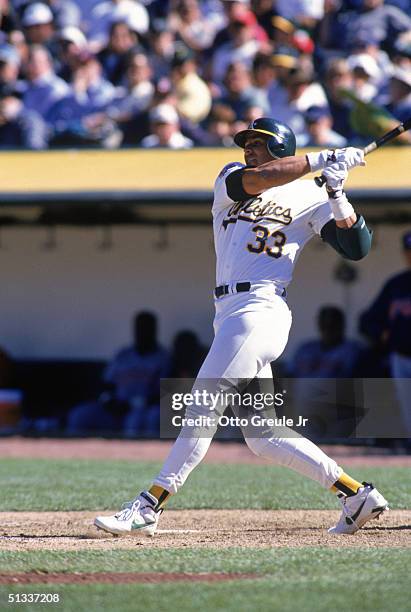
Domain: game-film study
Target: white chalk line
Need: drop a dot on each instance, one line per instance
(165, 531)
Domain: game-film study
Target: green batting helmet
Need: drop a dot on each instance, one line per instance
(281, 141)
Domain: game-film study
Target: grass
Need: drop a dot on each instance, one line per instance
(282, 563)
(314, 579)
(41, 484)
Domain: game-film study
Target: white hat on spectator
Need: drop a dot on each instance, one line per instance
(73, 35)
(366, 63)
(134, 14)
(37, 14)
(164, 113)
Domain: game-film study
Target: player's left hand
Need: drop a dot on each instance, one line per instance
(351, 156)
(335, 175)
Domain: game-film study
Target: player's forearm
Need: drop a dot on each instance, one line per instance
(352, 242)
(348, 222)
(274, 173)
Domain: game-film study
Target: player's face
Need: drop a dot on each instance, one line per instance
(255, 151)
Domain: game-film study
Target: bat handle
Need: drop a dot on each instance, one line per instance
(320, 180)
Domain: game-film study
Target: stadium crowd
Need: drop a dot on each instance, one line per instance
(183, 73)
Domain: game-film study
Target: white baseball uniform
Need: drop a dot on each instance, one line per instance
(257, 241)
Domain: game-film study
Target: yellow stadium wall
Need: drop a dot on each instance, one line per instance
(389, 167)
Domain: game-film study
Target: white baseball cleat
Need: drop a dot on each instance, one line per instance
(138, 516)
(358, 509)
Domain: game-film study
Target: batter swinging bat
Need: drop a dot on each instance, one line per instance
(402, 127)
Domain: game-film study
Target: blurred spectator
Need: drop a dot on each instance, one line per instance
(73, 44)
(373, 18)
(130, 401)
(402, 51)
(332, 355)
(165, 129)
(305, 12)
(368, 46)
(388, 322)
(8, 20)
(18, 41)
(188, 24)
(338, 77)
(193, 97)
(263, 72)
(265, 13)
(114, 57)
(242, 46)
(107, 12)
(399, 103)
(38, 24)
(161, 53)
(365, 73)
(301, 92)
(239, 92)
(10, 68)
(293, 49)
(80, 118)
(282, 31)
(284, 61)
(129, 107)
(318, 122)
(221, 125)
(331, 30)
(233, 11)
(137, 94)
(20, 127)
(66, 13)
(44, 87)
(187, 356)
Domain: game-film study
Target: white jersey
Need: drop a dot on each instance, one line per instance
(260, 239)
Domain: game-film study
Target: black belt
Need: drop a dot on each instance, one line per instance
(238, 288)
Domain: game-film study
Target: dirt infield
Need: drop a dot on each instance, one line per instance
(201, 529)
(157, 450)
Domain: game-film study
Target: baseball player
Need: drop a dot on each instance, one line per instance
(263, 216)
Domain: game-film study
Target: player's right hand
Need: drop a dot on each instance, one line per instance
(335, 175)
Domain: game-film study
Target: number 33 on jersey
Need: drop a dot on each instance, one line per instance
(262, 237)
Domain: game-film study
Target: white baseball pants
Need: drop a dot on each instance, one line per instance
(251, 330)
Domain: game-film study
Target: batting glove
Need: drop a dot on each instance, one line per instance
(335, 176)
(351, 156)
(320, 160)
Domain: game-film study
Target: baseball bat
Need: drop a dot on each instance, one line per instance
(402, 127)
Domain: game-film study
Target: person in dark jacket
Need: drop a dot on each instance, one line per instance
(388, 320)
